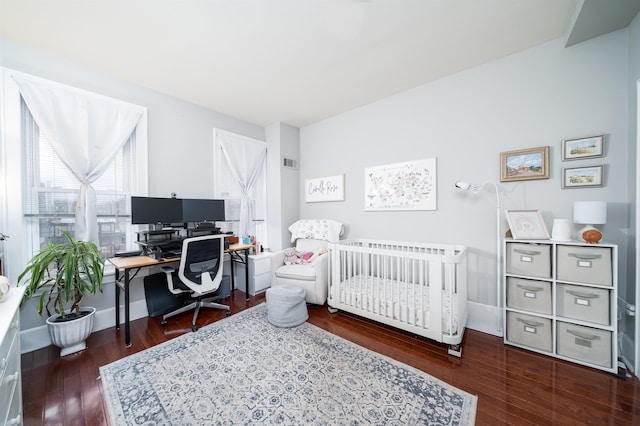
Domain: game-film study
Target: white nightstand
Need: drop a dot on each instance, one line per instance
(259, 274)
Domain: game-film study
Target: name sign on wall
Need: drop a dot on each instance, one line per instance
(324, 189)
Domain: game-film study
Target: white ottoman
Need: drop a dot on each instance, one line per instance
(286, 306)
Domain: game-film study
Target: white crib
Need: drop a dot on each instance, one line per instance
(417, 287)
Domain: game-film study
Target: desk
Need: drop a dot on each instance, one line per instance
(126, 264)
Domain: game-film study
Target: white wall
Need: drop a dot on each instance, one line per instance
(180, 158)
(534, 98)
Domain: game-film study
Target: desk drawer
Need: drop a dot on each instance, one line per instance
(529, 295)
(528, 330)
(583, 303)
(532, 260)
(589, 265)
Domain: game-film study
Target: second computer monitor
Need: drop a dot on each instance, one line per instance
(202, 210)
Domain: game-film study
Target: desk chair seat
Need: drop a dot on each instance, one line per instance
(199, 273)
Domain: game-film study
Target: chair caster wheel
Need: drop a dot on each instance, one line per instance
(163, 322)
(194, 328)
(228, 313)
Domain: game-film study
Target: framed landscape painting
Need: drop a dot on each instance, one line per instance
(581, 177)
(524, 164)
(577, 149)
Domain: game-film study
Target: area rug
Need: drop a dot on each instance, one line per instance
(243, 370)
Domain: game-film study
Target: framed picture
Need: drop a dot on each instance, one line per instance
(581, 177)
(401, 186)
(524, 164)
(527, 225)
(577, 149)
(329, 188)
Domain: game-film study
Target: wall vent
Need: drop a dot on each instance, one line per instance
(289, 163)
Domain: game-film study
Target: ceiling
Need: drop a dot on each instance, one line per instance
(296, 61)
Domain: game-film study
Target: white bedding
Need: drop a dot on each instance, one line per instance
(406, 302)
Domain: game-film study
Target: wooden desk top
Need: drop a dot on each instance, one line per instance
(140, 261)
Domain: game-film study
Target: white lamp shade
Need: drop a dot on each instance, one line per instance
(590, 212)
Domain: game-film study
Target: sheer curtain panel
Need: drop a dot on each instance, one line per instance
(245, 158)
(86, 131)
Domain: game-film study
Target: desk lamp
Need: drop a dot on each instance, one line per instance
(590, 213)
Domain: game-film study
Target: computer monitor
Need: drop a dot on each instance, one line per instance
(202, 210)
(154, 210)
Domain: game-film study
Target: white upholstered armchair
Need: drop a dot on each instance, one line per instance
(308, 266)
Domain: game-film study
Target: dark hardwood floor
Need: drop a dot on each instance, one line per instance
(513, 386)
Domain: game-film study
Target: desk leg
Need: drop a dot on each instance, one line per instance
(246, 273)
(117, 286)
(127, 330)
(233, 275)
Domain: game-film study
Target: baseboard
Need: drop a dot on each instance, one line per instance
(484, 318)
(38, 337)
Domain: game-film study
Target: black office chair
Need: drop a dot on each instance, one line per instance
(200, 273)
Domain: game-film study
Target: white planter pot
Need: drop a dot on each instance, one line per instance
(70, 336)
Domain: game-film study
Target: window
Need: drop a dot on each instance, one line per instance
(51, 192)
(227, 188)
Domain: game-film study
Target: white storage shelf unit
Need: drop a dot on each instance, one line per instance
(561, 300)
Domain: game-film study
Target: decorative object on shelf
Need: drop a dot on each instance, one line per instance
(524, 164)
(324, 189)
(527, 225)
(561, 230)
(401, 186)
(60, 275)
(578, 149)
(581, 177)
(466, 186)
(590, 213)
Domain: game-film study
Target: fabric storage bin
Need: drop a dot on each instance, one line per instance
(585, 344)
(533, 260)
(589, 265)
(583, 303)
(528, 330)
(529, 295)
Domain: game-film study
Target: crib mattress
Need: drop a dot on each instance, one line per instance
(398, 300)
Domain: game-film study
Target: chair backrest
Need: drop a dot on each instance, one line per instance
(310, 244)
(201, 264)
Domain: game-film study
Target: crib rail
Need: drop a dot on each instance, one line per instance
(417, 287)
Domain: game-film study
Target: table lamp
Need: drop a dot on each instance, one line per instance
(590, 213)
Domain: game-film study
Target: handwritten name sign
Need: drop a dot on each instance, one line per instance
(324, 189)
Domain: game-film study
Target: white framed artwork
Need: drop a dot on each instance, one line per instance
(329, 188)
(401, 186)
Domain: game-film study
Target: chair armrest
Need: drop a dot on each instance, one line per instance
(168, 269)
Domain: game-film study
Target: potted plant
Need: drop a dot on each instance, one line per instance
(61, 274)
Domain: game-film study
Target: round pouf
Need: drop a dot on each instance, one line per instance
(286, 306)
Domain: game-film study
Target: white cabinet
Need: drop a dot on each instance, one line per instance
(259, 274)
(10, 379)
(561, 300)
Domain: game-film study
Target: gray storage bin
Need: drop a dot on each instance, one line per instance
(583, 303)
(533, 260)
(589, 265)
(528, 330)
(529, 295)
(586, 344)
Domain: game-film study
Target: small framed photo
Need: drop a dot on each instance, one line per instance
(527, 225)
(577, 149)
(524, 164)
(582, 177)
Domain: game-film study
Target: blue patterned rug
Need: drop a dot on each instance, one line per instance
(243, 370)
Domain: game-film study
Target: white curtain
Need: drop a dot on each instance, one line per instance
(86, 131)
(245, 158)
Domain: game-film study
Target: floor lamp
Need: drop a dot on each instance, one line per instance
(466, 186)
